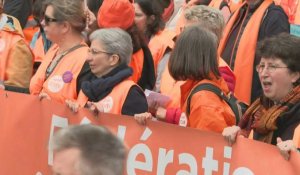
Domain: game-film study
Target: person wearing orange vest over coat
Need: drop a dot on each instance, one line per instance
(203, 17)
(120, 13)
(16, 59)
(211, 19)
(252, 22)
(198, 66)
(111, 91)
(149, 22)
(274, 117)
(57, 78)
(148, 19)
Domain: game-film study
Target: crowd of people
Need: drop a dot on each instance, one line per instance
(102, 55)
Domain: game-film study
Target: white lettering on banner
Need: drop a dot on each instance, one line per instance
(133, 164)
(242, 171)
(56, 121)
(165, 157)
(227, 154)
(146, 134)
(190, 160)
(121, 132)
(209, 164)
(85, 121)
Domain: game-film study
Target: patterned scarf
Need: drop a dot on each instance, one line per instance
(263, 120)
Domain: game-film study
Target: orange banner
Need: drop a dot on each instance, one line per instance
(27, 124)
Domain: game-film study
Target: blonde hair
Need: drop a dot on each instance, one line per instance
(207, 17)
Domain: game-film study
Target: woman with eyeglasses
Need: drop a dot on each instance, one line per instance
(57, 78)
(274, 118)
(112, 91)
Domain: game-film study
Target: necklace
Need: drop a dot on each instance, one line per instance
(57, 59)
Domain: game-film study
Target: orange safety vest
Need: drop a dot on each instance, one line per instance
(114, 101)
(291, 8)
(9, 36)
(61, 83)
(297, 16)
(171, 88)
(7, 40)
(243, 68)
(159, 44)
(207, 110)
(296, 137)
(136, 63)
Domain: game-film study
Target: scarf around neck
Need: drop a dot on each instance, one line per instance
(264, 121)
(99, 88)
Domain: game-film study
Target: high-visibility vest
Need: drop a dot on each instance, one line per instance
(114, 101)
(159, 44)
(136, 63)
(61, 83)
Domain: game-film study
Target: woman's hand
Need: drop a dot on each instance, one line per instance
(285, 147)
(230, 134)
(74, 106)
(94, 107)
(143, 117)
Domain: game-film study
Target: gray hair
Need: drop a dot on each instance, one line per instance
(101, 152)
(115, 41)
(207, 17)
(71, 11)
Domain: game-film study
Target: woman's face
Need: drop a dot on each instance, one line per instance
(140, 18)
(52, 27)
(100, 61)
(276, 79)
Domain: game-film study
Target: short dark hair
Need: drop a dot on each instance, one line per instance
(284, 47)
(101, 152)
(152, 7)
(195, 55)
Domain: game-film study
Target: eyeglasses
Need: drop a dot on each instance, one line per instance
(270, 68)
(49, 19)
(95, 52)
